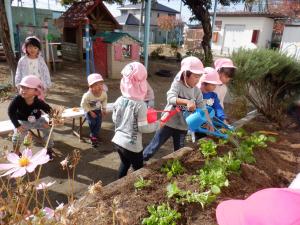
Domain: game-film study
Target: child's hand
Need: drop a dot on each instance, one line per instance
(191, 106)
(92, 114)
(20, 129)
(104, 112)
(45, 125)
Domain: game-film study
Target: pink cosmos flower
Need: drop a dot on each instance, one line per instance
(27, 163)
(49, 213)
(44, 185)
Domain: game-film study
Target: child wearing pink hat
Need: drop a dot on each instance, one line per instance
(185, 95)
(94, 103)
(226, 71)
(25, 112)
(272, 206)
(130, 117)
(207, 84)
(33, 63)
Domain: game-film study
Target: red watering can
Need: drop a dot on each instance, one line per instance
(152, 114)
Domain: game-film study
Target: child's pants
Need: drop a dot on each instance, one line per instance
(94, 123)
(18, 138)
(128, 158)
(161, 136)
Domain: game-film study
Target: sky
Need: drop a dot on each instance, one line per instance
(174, 4)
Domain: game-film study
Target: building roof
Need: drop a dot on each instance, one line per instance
(79, 11)
(250, 14)
(110, 37)
(155, 7)
(128, 19)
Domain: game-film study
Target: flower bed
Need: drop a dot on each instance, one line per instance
(121, 203)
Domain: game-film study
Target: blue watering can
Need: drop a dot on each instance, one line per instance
(197, 119)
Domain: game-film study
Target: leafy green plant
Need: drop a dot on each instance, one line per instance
(269, 79)
(208, 148)
(161, 215)
(172, 168)
(213, 178)
(142, 183)
(181, 196)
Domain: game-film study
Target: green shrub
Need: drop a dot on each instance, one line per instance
(270, 80)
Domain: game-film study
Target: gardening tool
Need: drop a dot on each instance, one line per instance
(197, 119)
(152, 114)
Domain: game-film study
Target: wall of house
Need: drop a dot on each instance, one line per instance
(114, 67)
(134, 32)
(290, 42)
(243, 35)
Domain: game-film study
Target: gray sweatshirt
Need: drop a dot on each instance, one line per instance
(179, 90)
(130, 118)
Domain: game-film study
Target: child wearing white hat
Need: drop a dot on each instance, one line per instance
(94, 103)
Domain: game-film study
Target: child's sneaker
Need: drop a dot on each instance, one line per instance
(94, 142)
(50, 153)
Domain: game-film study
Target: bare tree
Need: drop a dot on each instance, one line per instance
(5, 39)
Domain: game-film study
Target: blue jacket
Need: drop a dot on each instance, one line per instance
(213, 101)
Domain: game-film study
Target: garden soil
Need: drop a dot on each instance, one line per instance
(275, 166)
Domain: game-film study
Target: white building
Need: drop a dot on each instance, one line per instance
(290, 42)
(234, 30)
(131, 16)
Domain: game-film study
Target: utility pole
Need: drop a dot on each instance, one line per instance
(34, 13)
(213, 20)
(147, 31)
(141, 19)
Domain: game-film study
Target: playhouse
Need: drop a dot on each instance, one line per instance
(73, 21)
(112, 51)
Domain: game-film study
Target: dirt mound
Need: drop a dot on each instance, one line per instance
(275, 166)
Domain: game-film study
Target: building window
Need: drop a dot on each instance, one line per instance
(126, 51)
(218, 25)
(255, 35)
(157, 14)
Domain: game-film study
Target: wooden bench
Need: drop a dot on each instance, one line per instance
(69, 113)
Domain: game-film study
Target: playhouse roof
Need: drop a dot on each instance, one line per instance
(79, 11)
(110, 37)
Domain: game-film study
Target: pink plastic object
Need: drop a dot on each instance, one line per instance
(170, 114)
(152, 114)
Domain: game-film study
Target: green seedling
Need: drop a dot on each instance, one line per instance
(172, 168)
(161, 215)
(142, 183)
(208, 148)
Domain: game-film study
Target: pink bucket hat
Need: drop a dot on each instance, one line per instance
(223, 63)
(31, 81)
(93, 78)
(192, 64)
(134, 81)
(210, 76)
(272, 206)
